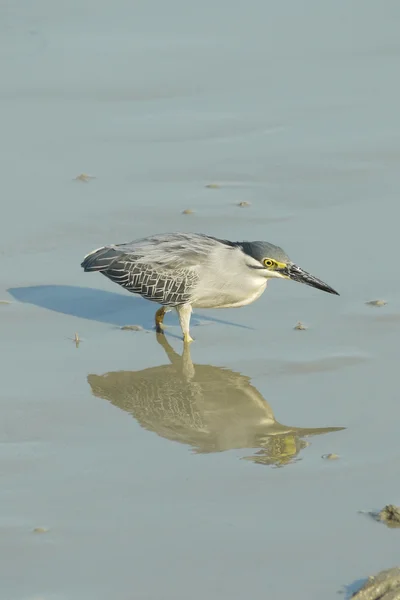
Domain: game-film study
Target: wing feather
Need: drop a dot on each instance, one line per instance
(161, 268)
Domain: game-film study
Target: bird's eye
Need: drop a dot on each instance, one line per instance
(269, 263)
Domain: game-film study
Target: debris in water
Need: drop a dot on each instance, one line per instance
(213, 186)
(376, 302)
(40, 530)
(383, 586)
(300, 326)
(244, 203)
(187, 211)
(132, 328)
(84, 177)
(390, 515)
(330, 456)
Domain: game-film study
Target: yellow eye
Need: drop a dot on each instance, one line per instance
(269, 263)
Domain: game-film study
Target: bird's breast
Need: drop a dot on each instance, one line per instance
(229, 296)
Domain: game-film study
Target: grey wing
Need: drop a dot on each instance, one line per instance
(167, 287)
(173, 250)
(163, 270)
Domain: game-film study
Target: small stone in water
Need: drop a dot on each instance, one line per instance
(330, 456)
(300, 326)
(376, 302)
(390, 515)
(383, 586)
(84, 177)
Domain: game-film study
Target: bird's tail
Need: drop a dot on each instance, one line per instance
(100, 259)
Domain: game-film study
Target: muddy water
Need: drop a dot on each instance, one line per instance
(210, 482)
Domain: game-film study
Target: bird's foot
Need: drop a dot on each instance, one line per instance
(159, 318)
(187, 338)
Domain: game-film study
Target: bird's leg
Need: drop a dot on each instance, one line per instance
(184, 313)
(159, 319)
(188, 370)
(182, 363)
(174, 357)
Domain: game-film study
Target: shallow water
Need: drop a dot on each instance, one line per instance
(175, 492)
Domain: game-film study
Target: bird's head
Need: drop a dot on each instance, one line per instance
(272, 262)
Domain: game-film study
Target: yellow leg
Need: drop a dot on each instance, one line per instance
(159, 319)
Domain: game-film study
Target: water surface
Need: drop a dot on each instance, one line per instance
(292, 108)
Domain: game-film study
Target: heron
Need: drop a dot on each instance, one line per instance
(183, 271)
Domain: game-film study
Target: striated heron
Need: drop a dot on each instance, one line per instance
(193, 270)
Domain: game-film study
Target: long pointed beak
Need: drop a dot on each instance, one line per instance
(296, 273)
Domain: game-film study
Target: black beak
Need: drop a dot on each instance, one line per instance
(297, 274)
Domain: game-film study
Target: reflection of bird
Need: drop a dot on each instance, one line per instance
(185, 270)
(209, 408)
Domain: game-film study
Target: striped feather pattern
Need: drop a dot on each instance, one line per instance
(163, 269)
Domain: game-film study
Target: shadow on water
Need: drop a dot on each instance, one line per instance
(209, 408)
(98, 305)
